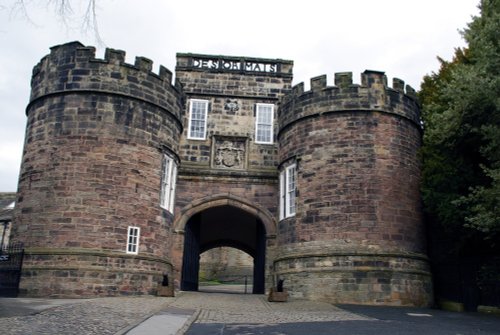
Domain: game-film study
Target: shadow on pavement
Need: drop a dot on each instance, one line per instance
(26, 306)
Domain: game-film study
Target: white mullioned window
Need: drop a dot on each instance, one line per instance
(288, 186)
(133, 240)
(264, 123)
(197, 128)
(168, 180)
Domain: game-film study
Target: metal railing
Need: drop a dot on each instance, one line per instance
(11, 263)
(231, 280)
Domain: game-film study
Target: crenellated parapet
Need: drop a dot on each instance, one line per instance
(373, 94)
(330, 203)
(73, 67)
(98, 133)
(357, 234)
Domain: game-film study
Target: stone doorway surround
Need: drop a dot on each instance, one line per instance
(222, 220)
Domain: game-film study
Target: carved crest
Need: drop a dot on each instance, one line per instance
(228, 155)
(229, 152)
(231, 105)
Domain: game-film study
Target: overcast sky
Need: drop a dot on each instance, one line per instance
(400, 37)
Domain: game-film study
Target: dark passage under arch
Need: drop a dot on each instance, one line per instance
(223, 226)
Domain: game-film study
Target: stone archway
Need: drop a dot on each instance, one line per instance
(223, 221)
(224, 199)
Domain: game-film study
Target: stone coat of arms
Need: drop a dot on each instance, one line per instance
(229, 154)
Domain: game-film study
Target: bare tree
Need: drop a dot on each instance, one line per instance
(85, 15)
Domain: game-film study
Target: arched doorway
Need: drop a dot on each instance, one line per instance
(223, 225)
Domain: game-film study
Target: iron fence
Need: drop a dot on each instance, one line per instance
(11, 262)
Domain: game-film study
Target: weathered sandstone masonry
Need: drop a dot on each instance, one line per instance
(95, 135)
(329, 201)
(232, 86)
(357, 236)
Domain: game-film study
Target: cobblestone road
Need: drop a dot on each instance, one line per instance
(116, 315)
(86, 317)
(231, 314)
(249, 308)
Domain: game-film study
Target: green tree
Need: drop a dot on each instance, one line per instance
(461, 115)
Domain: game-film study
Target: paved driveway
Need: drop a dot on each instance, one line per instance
(227, 314)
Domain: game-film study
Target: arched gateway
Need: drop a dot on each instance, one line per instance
(127, 177)
(223, 220)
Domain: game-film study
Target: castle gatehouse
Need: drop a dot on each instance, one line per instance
(127, 177)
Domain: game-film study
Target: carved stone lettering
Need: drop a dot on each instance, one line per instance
(233, 65)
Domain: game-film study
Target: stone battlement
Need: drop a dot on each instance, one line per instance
(320, 188)
(73, 67)
(372, 95)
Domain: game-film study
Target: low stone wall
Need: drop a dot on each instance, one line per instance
(388, 279)
(88, 273)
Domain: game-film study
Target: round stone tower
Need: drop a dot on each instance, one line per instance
(88, 207)
(355, 234)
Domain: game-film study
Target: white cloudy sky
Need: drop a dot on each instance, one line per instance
(400, 37)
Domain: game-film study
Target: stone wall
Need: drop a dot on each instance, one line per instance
(357, 236)
(322, 271)
(96, 132)
(227, 265)
(233, 86)
(232, 96)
